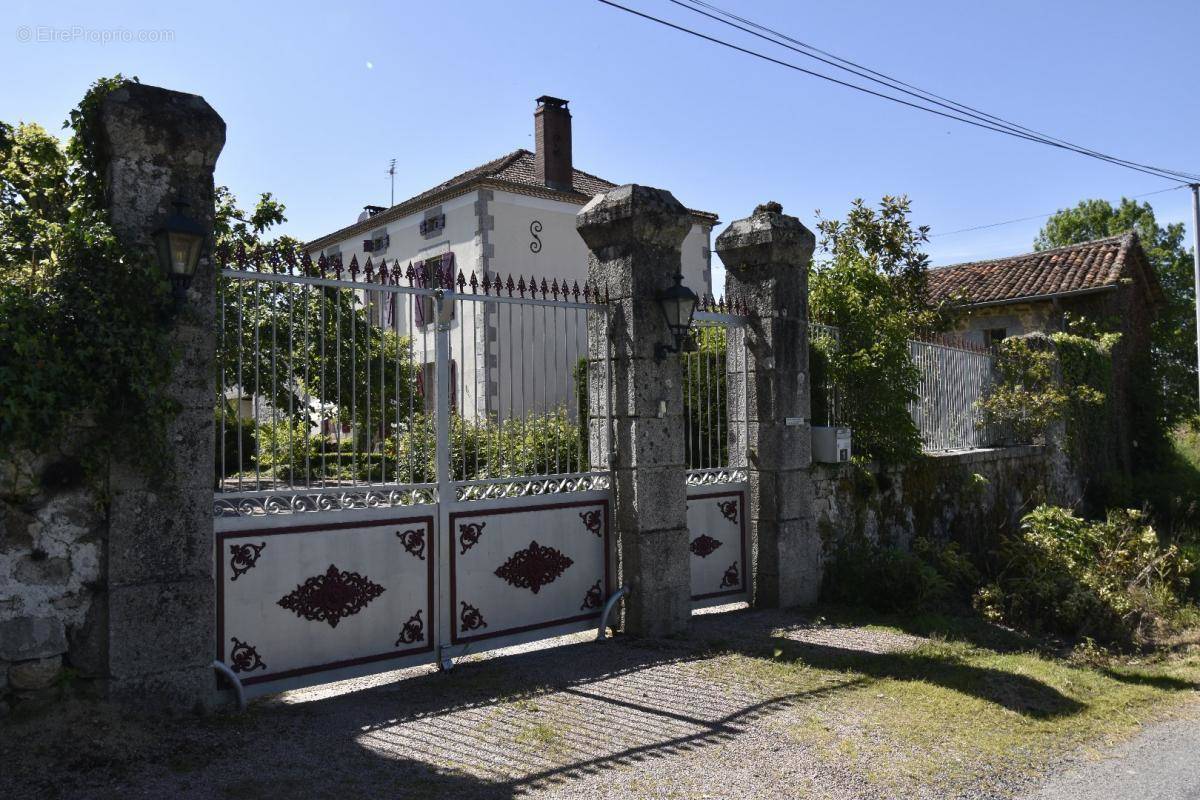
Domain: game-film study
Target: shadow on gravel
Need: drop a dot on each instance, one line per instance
(499, 728)
(1019, 693)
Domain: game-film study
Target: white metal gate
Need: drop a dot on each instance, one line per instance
(715, 424)
(405, 467)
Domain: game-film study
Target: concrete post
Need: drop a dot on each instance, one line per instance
(766, 261)
(162, 146)
(634, 233)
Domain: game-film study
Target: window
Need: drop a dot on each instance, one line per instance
(333, 254)
(427, 386)
(378, 243)
(433, 224)
(427, 272)
(993, 336)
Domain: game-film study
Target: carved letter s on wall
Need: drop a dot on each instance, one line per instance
(535, 228)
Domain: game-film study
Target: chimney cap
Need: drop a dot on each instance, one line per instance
(553, 102)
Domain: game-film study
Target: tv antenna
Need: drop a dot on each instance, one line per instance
(392, 174)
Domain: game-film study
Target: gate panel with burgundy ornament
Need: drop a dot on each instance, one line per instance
(410, 464)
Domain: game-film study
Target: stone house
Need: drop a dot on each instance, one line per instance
(514, 215)
(1108, 281)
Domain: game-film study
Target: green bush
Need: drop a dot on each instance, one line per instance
(542, 444)
(705, 402)
(83, 316)
(286, 442)
(887, 579)
(1111, 580)
(233, 436)
(1045, 379)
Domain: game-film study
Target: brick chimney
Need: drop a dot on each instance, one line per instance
(552, 134)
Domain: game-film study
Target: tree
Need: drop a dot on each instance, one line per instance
(871, 284)
(82, 317)
(1173, 334)
(272, 333)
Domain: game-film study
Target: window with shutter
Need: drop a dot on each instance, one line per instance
(435, 271)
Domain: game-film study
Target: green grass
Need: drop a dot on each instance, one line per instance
(956, 711)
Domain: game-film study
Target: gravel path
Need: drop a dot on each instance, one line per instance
(582, 719)
(1160, 763)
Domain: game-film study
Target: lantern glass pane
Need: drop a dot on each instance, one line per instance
(183, 252)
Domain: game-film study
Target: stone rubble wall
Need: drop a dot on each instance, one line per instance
(53, 528)
(968, 497)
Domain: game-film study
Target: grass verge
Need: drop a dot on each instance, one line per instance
(971, 707)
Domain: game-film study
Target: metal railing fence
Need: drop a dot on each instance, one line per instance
(953, 377)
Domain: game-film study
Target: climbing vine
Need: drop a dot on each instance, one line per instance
(1042, 380)
(83, 339)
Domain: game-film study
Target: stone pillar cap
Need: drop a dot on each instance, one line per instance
(768, 236)
(161, 123)
(633, 214)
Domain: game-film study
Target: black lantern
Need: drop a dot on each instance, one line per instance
(678, 304)
(178, 243)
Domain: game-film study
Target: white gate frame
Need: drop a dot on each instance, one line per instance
(349, 515)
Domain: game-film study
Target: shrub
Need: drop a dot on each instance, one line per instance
(286, 444)
(536, 445)
(1111, 580)
(1045, 379)
(239, 436)
(887, 579)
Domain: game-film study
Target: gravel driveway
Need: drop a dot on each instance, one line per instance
(584, 719)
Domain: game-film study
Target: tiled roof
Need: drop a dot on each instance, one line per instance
(516, 168)
(1079, 267)
(521, 170)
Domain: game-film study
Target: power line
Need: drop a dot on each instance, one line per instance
(1166, 174)
(1041, 216)
(883, 79)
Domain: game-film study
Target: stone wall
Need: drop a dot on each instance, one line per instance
(53, 527)
(968, 497)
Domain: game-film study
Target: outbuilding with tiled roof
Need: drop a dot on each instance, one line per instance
(1109, 278)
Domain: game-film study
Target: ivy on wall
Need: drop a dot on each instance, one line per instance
(1042, 380)
(83, 333)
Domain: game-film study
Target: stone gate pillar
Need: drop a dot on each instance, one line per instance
(634, 233)
(766, 261)
(161, 146)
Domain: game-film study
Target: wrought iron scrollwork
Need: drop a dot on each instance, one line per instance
(413, 541)
(704, 545)
(592, 521)
(594, 598)
(535, 227)
(732, 578)
(534, 567)
(470, 618)
(413, 630)
(331, 596)
(244, 657)
(243, 557)
(468, 535)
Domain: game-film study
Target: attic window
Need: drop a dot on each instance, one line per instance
(433, 224)
(378, 243)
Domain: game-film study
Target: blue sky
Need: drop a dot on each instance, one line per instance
(318, 97)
